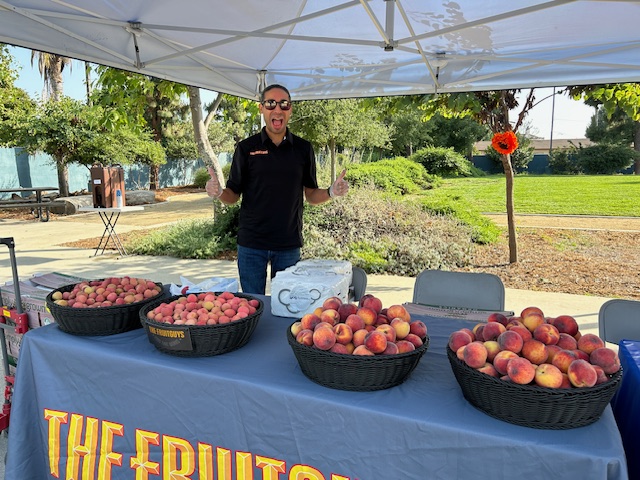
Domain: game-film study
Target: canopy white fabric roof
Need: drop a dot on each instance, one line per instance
(336, 48)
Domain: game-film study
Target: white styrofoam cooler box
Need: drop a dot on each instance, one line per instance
(302, 288)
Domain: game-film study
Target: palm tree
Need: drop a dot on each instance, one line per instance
(50, 67)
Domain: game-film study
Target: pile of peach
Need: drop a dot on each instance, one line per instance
(106, 293)
(534, 349)
(204, 308)
(365, 328)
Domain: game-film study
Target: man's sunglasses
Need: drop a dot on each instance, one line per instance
(271, 104)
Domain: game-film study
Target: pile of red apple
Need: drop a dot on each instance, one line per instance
(534, 349)
(204, 308)
(365, 328)
(107, 293)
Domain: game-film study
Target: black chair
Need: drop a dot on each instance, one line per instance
(358, 283)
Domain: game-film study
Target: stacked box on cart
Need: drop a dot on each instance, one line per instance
(52, 280)
(33, 302)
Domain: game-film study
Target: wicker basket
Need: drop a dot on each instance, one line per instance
(199, 340)
(355, 372)
(97, 321)
(530, 405)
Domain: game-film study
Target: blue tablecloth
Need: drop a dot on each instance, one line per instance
(254, 408)
(626, 404)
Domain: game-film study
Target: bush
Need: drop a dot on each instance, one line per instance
(445, 162)
(396, 176)
(564, 161)
(201, 177)
(605, 158)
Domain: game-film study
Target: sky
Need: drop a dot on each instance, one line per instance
(569, 117)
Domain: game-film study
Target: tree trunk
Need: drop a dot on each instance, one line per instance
(636, 147)
(511, 222)
(200, 131)
(87, 81)
(154, 175)
(63, 177)
(57, 81)
(332, 149)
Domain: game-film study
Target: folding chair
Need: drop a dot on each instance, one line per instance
(618, 320)
(359, 283)
(481, 291)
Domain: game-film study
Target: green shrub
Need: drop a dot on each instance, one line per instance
(445, 162)
(605, 158)
(397, 176)
(563, 161)
(201, 177)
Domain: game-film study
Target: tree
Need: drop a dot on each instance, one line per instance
(15, 104)
(338, 123)
(616, 100)
(50, 67)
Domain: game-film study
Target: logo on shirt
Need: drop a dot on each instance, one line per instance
(259, 152)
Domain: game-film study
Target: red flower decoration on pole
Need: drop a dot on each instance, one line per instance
(505, 143)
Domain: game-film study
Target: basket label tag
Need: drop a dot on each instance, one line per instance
(178, 339)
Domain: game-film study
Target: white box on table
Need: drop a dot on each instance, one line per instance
(302, 288)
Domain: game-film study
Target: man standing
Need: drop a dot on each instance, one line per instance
(274, 171)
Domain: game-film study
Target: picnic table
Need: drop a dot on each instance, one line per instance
(38, 205)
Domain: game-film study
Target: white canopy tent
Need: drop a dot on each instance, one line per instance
(337, 48)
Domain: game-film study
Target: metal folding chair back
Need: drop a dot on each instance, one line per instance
(619, 319)
(359, 283)
(481, 291)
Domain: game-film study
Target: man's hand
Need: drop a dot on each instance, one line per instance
(340, 187)
(213, 187)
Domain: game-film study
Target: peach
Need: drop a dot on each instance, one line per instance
(567, 342)
(343, 332)
(362, 350)
(324, 338)
(532, 320)
(547, 334)
(388, 332)
(347, 309)
(296, 327)
(521, 370)
(330, 316)
(398, 311)
(552, 350)
(492, 330)
(589, 342)
(548, 376)
(459, 352)
(535, 351)
(514, 321)
(416, 340)
(522, 331)
(470, 332)
(582, 374)
(566, 383)
(358, 337)
(501, 360)
(602, 377)
(606, 358)
(401, 327)
(566, 324)
(498, 317)
(392, 349)
(527, 310)
(563, 359)
(368, 315)
(381, 320)
(305, 337)
(475, 354)
(418, 327)
(372, 302)
(509, 340)
(493, 348)
(332, 303)
(580, 354)
(339, 348)
(489, 369)
(355, 322)
(309, 321)
(404, 346)
(375, 341)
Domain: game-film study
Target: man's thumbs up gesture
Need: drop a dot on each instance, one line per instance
(213, 187)
(340, 187)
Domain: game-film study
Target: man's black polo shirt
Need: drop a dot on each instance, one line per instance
(271, 180)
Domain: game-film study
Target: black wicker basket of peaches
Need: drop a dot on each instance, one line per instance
(534, 370)
(358, 347)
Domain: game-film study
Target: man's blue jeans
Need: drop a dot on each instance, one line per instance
(252, 266)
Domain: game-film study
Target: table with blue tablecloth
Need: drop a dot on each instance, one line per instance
(114, 407)
(626, 403)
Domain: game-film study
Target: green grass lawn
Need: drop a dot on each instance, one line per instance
(615, 195)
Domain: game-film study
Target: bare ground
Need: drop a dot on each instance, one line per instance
(569, 254)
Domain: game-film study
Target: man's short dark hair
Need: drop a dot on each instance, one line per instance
(271, 87)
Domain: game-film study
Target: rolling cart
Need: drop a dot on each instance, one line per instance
(14, 320)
